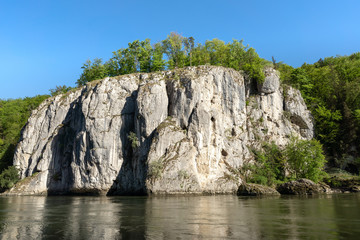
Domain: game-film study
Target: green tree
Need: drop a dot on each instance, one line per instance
(92, 71)
(305, 159)
(189, 44)
(173, 48)
(13, 115)
(269, 166)
(59, 90)
(8, 178)
(158, 63)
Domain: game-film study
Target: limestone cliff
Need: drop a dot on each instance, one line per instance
(193, 127)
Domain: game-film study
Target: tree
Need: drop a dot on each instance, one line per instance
(305, 159)
(8, 178)
(173, 48)
(158, 63)
(59, 90)
(13, 115)
(189, 44)
(92, 71)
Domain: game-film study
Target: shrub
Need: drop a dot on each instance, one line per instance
(133, 139)
(269, 165)
(305, 159)
(300, 158)
(9, 177)
(155, 169)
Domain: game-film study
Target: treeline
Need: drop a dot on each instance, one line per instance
(331, 89)
(14, 113)
(175, 51)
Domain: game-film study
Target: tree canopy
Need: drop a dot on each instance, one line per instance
(14, 113)
(331, 89)
(173, 52)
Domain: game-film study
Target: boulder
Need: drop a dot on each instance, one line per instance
(271, 82)
(252, 189)
(303, 187)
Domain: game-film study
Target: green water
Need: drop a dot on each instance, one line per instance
(192, 217)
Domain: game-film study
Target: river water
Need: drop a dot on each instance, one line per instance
(180, 217)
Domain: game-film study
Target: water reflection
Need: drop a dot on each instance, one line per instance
(192, 217)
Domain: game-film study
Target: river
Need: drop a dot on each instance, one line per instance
(180, 217)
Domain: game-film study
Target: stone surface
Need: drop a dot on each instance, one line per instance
(271, 83)
(251, 189)
(194, 127)
(303, 187)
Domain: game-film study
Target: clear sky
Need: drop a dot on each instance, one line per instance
(44, 43)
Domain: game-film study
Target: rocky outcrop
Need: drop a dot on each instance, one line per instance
(252, 189)
(181, 131)
(303, 187)
(343, 185)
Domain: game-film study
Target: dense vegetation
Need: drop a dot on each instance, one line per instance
(175, 51)
(14, 113)
(330, 87)
(299, 159)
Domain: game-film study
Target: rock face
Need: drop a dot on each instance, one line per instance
(251, 189)
(181, 131)
(303, 187)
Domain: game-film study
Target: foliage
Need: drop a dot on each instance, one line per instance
(13, 115)
(9, 177)
(331, 89)
(269, 167)
(299, 159)
(155, 169)
(134, 140)
(92, 71)
(305, 159)
(175, 51)
(60, 90)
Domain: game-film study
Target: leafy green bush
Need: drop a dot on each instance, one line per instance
(305, 159)
(9, 177)
(59, 90)
(269, 166)
(299, 159)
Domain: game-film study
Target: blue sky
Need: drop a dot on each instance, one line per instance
(44, 43)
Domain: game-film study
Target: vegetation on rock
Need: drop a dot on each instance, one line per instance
(175, 51)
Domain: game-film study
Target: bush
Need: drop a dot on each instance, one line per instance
(269, 167)
(9, 177)
(134, 140)
(305, 159)
(299, 159)
(155, 169)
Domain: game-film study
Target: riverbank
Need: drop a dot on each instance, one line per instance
(330, 185)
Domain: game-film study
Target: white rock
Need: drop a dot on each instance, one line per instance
(194, 128)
